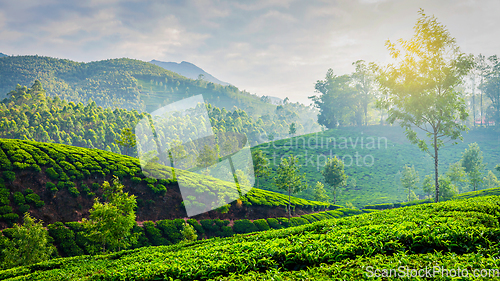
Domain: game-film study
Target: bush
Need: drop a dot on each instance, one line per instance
(199, 229)
(52, 174)
(273, 223)
(32, 198)
(5, 210)
(24, 208)
(142, 240)
(4, 196)
(380, 206)
(298, 221)
(170, 230)
(153, 234)
(188, 233)
(28, 191)
(9, 176)
(51, 187)
(244, 226)
(11, 218)
(261, 224)
(74, 191)
(95, 186)
(284, 222)
(136, 180)
(64, 239)
(159, 189)
(150, 180)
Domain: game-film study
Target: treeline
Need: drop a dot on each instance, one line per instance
(29, 114)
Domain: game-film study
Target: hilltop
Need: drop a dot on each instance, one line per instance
(57, 182)
(123, 83)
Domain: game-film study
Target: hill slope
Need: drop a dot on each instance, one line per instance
(188, 70)
(2, 55)
(454, 234)
(123, 83)
(373, 157)
(58, 183)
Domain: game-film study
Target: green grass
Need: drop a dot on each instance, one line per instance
(452, 234)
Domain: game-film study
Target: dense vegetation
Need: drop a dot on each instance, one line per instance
(454, 234)
(374, 157)
(58, 172)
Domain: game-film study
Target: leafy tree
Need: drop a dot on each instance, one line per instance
(448, 189)
(292, 130)
(207, 157)
(498, 167)
(127, 140)
(260, 165)
(30, 244)
(420, 87)
(472, 161)
(288, 178)
(491, 87)
(428, 186)
(320, 193)
(409, 180)
(491, 181)
(334, 175)
(363, 79)
(456, 173)
(110, 223)
(188, 233)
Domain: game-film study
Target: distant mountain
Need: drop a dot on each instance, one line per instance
(188, 70)
(3, 55)
(122, 83)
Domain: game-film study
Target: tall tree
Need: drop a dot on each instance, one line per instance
(288, 178)
(457, 175)
(260, 165)
(363, 80)
(319, 193)
(472, 161)
(110, 223)
(128, 142)
(420, 87)
(29, 244)
(491, 87)
(409, 180)
(334, 175)
(490, 180)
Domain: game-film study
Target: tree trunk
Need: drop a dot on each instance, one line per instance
(436, 167)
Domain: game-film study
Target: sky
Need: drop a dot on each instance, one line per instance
(266, 47)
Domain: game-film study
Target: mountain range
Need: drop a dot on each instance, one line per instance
(188, 70)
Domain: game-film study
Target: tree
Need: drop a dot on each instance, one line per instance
(207, 157)
(110, 223)
(428, 186)
(491, 181)
(472, 161)
(456, 173)
(127, 140)
(288, 178)
(320, 193)
(491, 87)
(498, 167)
(188, 233)
(334, 175)
(419, 88)
(292, 130)
(29, 244)
(260, 165)
(363, 79)
(409, 180)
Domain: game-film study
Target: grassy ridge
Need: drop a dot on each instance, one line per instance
(63, 171)
(451, 234)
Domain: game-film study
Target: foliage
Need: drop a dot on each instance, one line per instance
(188, 233)
(320, 193)
(419, 91)
(409, 181)
(29, 244)
(490, 180)
(334, 175)
(472, 161)
(260, 165)
(109, 223)
(288, 178)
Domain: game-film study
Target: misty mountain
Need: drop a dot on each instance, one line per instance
(188, 70)
(3, 55)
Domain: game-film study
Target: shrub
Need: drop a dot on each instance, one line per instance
(74, 191)
(261, 224)
(136, 180)
(9, 176)
(170, 230)
(380, 206)
(4, 196)
(28, 191)
(159, 189)
(64, 239)
(199, 229)
(188, 233)
(95, 186)
(244, 226)
(298, 221)
(52, 174)
(24, 208)
(273, 223)
(5, 210)
(142, 240)
(10, 218)
(154, 234)
(150, 180)
(32, 198)
(51, 187)
(284, 222)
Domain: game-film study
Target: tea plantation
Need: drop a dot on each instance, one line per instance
(444, 236)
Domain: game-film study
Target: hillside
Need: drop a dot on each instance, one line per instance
(123, 83)
(57, 182)
(378, 154)
(450, 235)
(188, 70)
(2, 55)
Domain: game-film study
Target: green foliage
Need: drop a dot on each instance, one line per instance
(320, 193)
(490, 180)
(261, 224)
(110, 223)
(334, 175)
(29, 244)
(472, 161)
(430, 102)
(153, 234)
(260, 165)
(199, 229)
(273, 223)
(409, 181)
(288, 178)
(64, 238)
(244, 226)
(33, 198)
(188, 233)
(9, 176)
